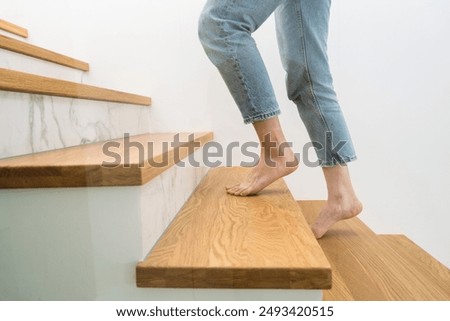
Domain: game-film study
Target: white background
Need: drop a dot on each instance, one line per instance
(342, 311)
(391, 66)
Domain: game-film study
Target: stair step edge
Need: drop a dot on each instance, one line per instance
(27, 49)
(222, 241)
(101, 164)
(13, 28)
(16, 81)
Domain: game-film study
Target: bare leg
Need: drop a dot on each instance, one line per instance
(342, 202)
(277, 159)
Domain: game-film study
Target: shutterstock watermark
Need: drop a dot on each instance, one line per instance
(180, 152)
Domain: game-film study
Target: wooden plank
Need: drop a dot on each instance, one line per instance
(339, 290)
(16, 81)
(343, 262)
(223, 241)
(370, 269)
(437, 274)
(114, 163)
(12, 28)
(24, 48)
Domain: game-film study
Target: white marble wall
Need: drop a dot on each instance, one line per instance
(35, 123)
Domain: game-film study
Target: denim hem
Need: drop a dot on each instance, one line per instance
(260, 117)
(342, 161)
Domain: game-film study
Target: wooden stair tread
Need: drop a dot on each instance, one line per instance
(223, 241)
(16, 81)
(12, 28)
(418, 259)
(339, 290)
(88, 165)
(24, 48)
(370, 269)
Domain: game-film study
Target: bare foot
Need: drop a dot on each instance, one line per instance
(334, 211)
(266, 172)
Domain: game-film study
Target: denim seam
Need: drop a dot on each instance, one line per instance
(236, 65)
(242, 79)
(343, 160)
(261, 116)
(318, 110)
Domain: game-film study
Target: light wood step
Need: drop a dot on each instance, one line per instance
(223, 241)
(418, 259)
(12, 28)
(24, 48)
(16, 81)
(370, 269)
(339, 290)
(109, 163)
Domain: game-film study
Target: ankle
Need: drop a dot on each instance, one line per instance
(342, 195)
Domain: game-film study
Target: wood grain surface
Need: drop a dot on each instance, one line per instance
(419, 260)
(24, 48)
(109, 163)
(223, 241)
(369, 268)
(16, 81)
(12, 28)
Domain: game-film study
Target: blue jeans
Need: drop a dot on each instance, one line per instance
(225, 31)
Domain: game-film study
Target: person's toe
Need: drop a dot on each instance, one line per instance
(246, 191)
(240, 190)
(234, 190)
(229, 187)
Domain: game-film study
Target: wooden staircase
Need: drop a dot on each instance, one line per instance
(15, 81)
(64, 209)
(85, 215)
(223, 241)
(129, 161)
(367, 266)
(91, 213)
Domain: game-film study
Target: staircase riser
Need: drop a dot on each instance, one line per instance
(15, 61)
(36, 123)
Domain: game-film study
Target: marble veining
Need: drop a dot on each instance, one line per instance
(36, 123)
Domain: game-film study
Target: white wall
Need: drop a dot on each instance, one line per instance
(391, 63)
